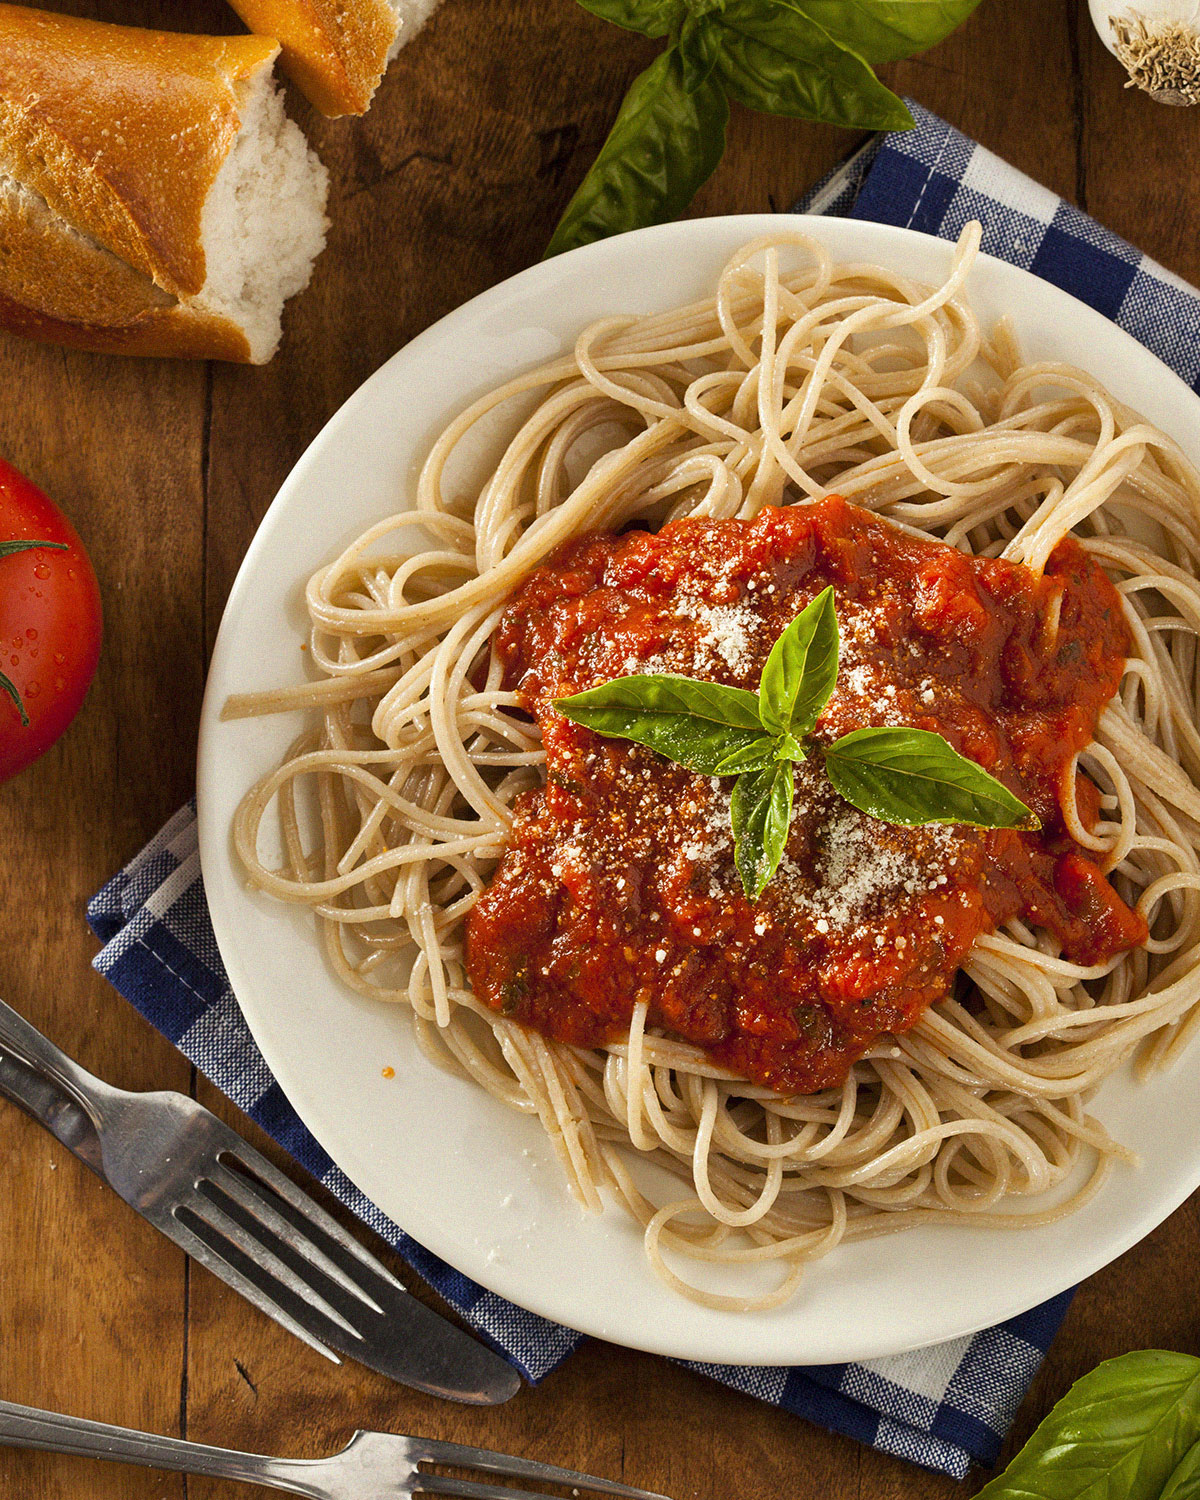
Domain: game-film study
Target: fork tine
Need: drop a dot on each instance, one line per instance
(257, 1165)
(459, 1455)
(251, 1197)
(220, 1265)
(468, 1489)
(407, 1342)
(216, 1220)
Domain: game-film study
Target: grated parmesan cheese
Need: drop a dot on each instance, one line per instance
(728, 630)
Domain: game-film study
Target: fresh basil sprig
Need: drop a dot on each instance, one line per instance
(698, 724)
(809, 59)
(801, 670)
(913, 776)
(1129, 1430)
(760, 811)
(777, 59)
(666, 142)
(897, 775)
(883, 31)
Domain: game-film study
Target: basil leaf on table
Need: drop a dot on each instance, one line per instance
(778, 59)
(699, 44)
(810, 59)
(1184, 1483)
(650, 17)
(887, 30)
(801, 671)
(913, 776)
(1120, 1433)
(760, 808)
(697, 724)
(666, 141)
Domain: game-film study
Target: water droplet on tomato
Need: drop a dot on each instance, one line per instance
(59, 684)
(32, 689)
(14, 661)
(31, 635)
(41, 571)
(59, 657)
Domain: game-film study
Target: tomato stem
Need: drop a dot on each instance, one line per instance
(7, 548)
(10, 687)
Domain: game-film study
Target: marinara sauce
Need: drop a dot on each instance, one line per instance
(618, 884)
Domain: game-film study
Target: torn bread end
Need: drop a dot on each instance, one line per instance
(264, 220)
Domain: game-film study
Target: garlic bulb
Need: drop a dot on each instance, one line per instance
(1159, 43)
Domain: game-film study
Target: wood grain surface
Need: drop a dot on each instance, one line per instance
(451, 183)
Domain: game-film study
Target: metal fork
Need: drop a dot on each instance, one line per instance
(197, 1181)
(372, 1466)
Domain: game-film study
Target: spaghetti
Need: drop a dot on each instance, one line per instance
(798, 377)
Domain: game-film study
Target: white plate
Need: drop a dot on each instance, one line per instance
(471, 1180)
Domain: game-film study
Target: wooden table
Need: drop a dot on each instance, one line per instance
(451, 183)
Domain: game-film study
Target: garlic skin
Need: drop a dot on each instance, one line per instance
(1158, 41)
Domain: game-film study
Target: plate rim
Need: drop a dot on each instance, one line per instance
(214, 839)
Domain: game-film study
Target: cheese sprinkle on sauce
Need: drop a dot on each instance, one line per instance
(618, 885)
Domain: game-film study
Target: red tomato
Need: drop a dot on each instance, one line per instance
(49, 623)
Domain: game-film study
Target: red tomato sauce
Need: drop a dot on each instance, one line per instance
(618, 884)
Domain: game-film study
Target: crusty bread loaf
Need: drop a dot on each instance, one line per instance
(337, 50)
(154, 198)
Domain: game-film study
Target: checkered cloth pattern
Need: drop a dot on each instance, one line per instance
(935, 179)
(943, 1407)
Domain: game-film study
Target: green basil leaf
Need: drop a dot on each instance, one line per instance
(883, 31)
(912, 776)
(666, 694)
(753, 756)
(1184, 1483)
(650, 17)
(697, 724)
(699, 43)
(7, 685)
(801, 670)
(760, 810)
(666, 141)
(778, 59)
(8, 548)
(1120, 1433)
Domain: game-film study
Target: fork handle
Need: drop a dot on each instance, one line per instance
(38, 1052)
(50, 1432)
(51, 1107)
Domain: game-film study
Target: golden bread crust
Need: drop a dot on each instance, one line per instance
(174, 332)
(60, 286)
(122, 131)
(335, 50)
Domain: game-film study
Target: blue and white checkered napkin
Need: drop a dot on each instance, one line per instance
(935, 179)
(943, 1407)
